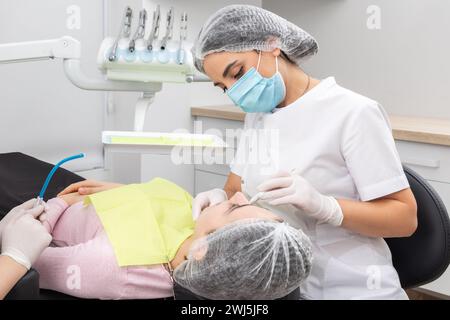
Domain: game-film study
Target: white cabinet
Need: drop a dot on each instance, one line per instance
(206, 181)
(215, 175)
(209, 125)
(431, 161)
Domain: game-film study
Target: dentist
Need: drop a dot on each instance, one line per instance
(330, 163)
(335, 171)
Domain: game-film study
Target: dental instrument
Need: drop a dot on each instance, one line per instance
(140, 31)
(169, 29)
(154, 33)
(183, 36)
(256, 197)
(40, 197)
(124, 32)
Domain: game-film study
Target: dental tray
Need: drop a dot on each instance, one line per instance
(162, 139)
(143, 65)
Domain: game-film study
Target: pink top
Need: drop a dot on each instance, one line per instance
(81, 261)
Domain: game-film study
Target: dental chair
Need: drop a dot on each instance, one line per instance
(423, 257)
(21, 178)
(418, 259)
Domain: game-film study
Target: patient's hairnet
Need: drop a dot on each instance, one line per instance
(238, 28)
(248, 259)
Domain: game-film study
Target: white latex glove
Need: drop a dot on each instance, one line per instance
(23, 239)
(206, 199)
(24, 208)
(291, 188)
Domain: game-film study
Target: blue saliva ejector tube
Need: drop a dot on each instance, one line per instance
(40, 197)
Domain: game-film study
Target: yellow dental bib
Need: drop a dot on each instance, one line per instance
(145, 223)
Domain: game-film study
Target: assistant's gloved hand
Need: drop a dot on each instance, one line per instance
(24, 208)
(206, 199)
(23, 239)
(291, 188)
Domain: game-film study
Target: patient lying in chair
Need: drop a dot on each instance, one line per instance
(233, 251)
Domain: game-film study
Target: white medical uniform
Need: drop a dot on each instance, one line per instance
(342, 143)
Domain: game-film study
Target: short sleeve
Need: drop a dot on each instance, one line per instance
(370, 154)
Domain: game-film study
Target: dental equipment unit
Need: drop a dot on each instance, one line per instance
(40, 197)
(151, 60)
(140, 31)
(129, 64)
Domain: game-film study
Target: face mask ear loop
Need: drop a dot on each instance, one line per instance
(276, 64)
(259, 60)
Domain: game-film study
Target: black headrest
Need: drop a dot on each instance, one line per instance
(182, 293)
(425, 255)
(22, 176)
(27, 288)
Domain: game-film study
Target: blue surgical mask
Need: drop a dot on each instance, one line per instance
(255, 93)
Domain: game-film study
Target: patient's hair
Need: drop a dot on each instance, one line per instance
(248, 259)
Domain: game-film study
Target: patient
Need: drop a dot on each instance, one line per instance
(235, 251)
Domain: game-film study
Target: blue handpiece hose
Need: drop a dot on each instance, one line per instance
(40, 197)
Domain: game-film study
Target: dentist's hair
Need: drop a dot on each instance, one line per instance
(239, 28)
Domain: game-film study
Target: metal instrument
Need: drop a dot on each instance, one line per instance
(140, 31)
(154, 33)
(183, 35)
(125, 29)
(169, 29)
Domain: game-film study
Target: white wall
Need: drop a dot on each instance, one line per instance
(404, 65)
(41, 112)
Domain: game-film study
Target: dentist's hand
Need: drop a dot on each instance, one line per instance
(291, 188)
(24, 208)
(23, 239)
(87, 187)
(207, 199)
